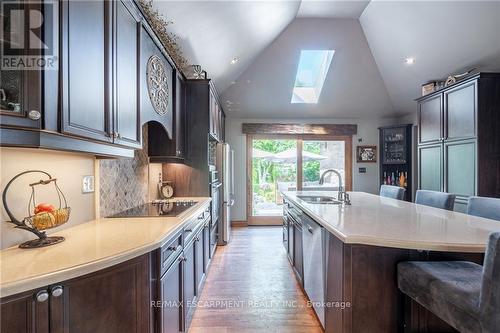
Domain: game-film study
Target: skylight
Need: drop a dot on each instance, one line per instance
(311, 75)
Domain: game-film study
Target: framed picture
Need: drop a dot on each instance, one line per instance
(366, 154)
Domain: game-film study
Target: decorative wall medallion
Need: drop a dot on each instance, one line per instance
(156, 75)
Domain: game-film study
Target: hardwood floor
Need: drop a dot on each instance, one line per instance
(251, 287)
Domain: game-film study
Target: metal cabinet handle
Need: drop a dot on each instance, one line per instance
(42, 296)
(34, 115)
(188, 230)
(181, 259)
(174, 248)
(201, 217)
(310, 229)
(56, 291)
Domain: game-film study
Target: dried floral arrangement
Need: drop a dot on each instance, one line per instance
(168, 39)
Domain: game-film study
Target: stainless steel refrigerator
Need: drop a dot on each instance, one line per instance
(225, 167)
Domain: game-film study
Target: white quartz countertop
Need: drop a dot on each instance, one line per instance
(379, 221)
(88, 247)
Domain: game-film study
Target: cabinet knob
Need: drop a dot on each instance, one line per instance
(56, 291)
(34, 115)
(42, 296)
(181, 258)
(188, 230)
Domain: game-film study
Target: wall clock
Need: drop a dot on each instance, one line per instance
(156, 76)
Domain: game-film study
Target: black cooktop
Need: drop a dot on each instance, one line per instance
(157, 208)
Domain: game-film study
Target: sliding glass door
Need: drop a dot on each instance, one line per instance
(319, 156)
(289, 163)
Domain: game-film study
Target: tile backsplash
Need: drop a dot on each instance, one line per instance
(124, 182)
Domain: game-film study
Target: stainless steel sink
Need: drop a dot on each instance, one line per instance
(319, 199)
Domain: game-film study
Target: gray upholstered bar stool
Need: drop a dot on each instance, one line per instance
(394, 192)
(435, 199)
(464, 294)
(484, 207)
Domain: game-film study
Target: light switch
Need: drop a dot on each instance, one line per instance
(88, 184)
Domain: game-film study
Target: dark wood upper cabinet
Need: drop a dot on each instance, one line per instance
(127, 34)
(20, 90)
(217, 117)
(85, 67)
(461, 155)
(430, 114)
(460, 111)
(100, 71)
(151, 47)
(162, 148)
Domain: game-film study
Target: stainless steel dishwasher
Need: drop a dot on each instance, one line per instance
(313, 238)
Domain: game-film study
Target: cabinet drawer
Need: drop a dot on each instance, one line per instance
(194, 225)
(169, 252)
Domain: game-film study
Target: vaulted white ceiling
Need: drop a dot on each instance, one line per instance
(368, 77)
(444, 37)
(212, 33)
(353, 85)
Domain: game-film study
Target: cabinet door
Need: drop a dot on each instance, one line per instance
(223, 127)
(171, 298)
(298, 255)
(430, 119)
(431, 167)
(213, 241)
(460, 169)
(211, 111)
(20, 90)
(180, 117)
(290, 241)
(85, 67)
(460, 110)
(198, 260)
(112, 300)
(127, 32)
(23, 313)
(206, 247)
(189, 279)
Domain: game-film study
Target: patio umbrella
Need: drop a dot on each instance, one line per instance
(262, 154)
(290, 156)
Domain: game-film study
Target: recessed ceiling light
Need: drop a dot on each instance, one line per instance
(234, 60)
(409, 61)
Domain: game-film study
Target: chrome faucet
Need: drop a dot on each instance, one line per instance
(343, 196)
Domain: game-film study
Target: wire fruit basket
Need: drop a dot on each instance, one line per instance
(40, 216)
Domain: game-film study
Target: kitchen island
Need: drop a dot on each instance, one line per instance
(109, 275)
(361, 245)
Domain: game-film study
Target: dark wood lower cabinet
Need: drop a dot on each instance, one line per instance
(189, 283)
(170, 305)
(115, 299)
(297, 253)
(198, 262)
(22, 313)
(206, 247)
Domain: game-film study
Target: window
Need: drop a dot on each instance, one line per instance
(311, 75)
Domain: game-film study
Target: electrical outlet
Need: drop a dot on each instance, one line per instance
(88, 184)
